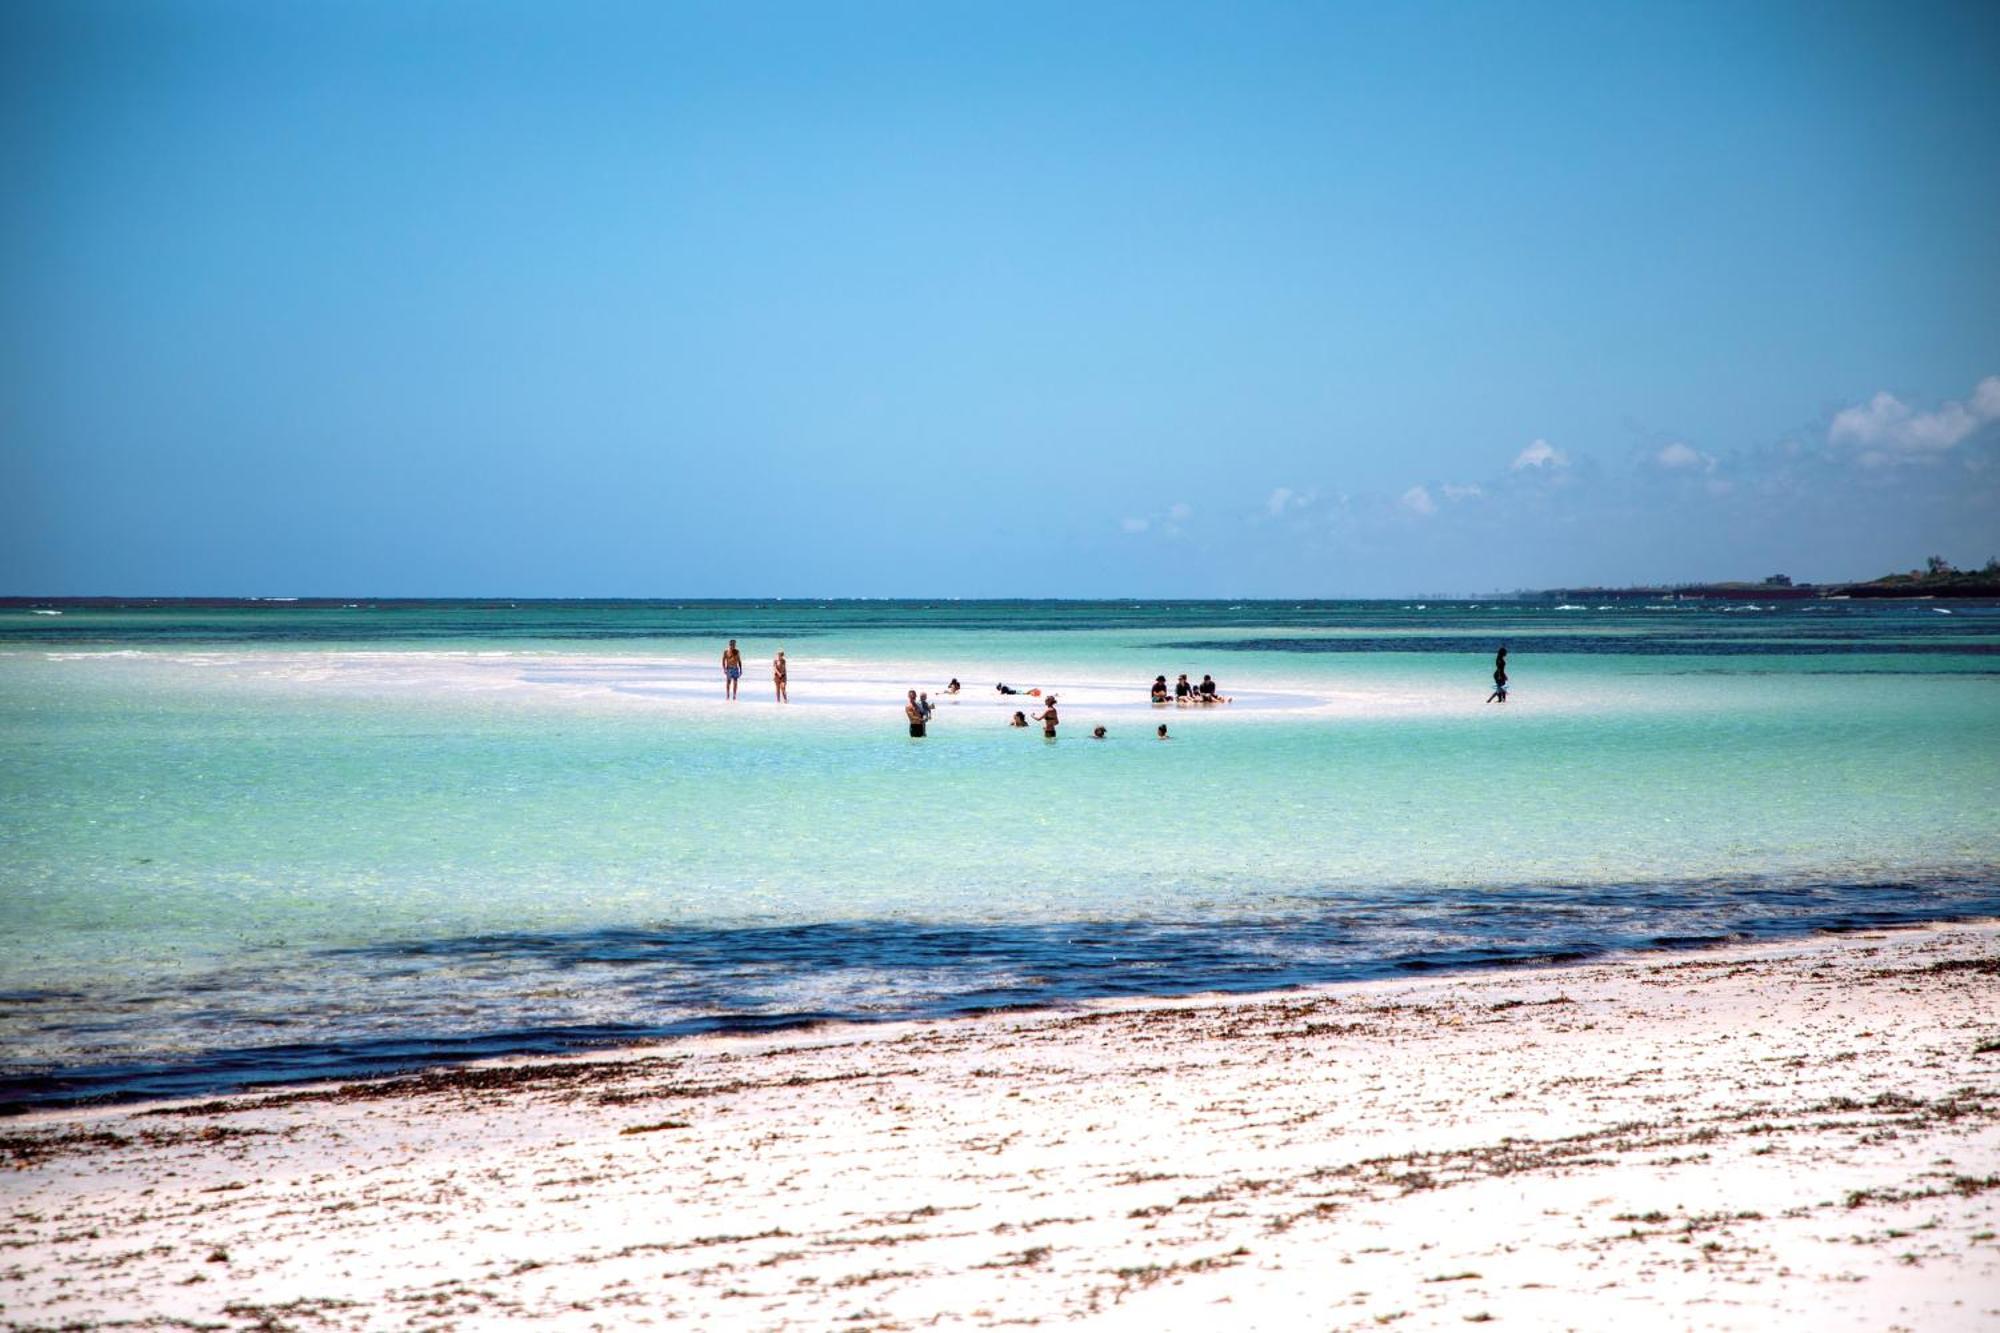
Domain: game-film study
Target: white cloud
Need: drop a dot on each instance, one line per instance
(1681, 455)
(1167, 524)
(1284, 499)
(1418, 501)
(1469, 491)
(1540, 454)
(1986, 398)
(1888, 430)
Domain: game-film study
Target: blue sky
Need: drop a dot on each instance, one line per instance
(684, 300)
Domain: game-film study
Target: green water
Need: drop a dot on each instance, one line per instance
(218, 830)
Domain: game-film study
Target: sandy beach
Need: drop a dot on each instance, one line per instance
(1805, 1134)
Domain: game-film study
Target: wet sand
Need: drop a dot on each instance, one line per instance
(1801, 1135)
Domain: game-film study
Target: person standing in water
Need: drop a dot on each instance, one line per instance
(916, 716)
(732, 670)
(778, 676)
(1499, 695)
(1047, 717)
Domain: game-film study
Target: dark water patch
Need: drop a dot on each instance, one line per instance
(483, 996)
(1587, 645)
(321, 622)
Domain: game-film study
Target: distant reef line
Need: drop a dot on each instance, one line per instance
(1935, 582)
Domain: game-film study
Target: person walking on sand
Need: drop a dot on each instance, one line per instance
(916, 716)
(778, 677)
(732, 670)
(1499, 695)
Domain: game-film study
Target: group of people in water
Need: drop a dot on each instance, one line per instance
(919, 709)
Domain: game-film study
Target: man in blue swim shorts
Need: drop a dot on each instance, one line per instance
(732, 670)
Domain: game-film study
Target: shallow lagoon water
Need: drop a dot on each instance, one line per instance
(258, 843)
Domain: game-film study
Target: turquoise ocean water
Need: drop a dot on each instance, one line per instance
(259, 842)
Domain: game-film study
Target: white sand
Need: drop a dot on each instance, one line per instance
(854, 689)
(1804, 1136)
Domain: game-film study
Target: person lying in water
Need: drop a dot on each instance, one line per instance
(1097, 733)
(953, 687)
(1009, 689)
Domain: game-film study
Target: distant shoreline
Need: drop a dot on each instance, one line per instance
(1899, 588)
(1759, 593)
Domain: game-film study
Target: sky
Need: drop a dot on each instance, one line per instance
(658, 299)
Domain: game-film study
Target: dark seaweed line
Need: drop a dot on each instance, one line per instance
(24, 1089)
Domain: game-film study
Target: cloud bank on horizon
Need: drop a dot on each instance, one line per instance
(1332, 300)
(1879, 468)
